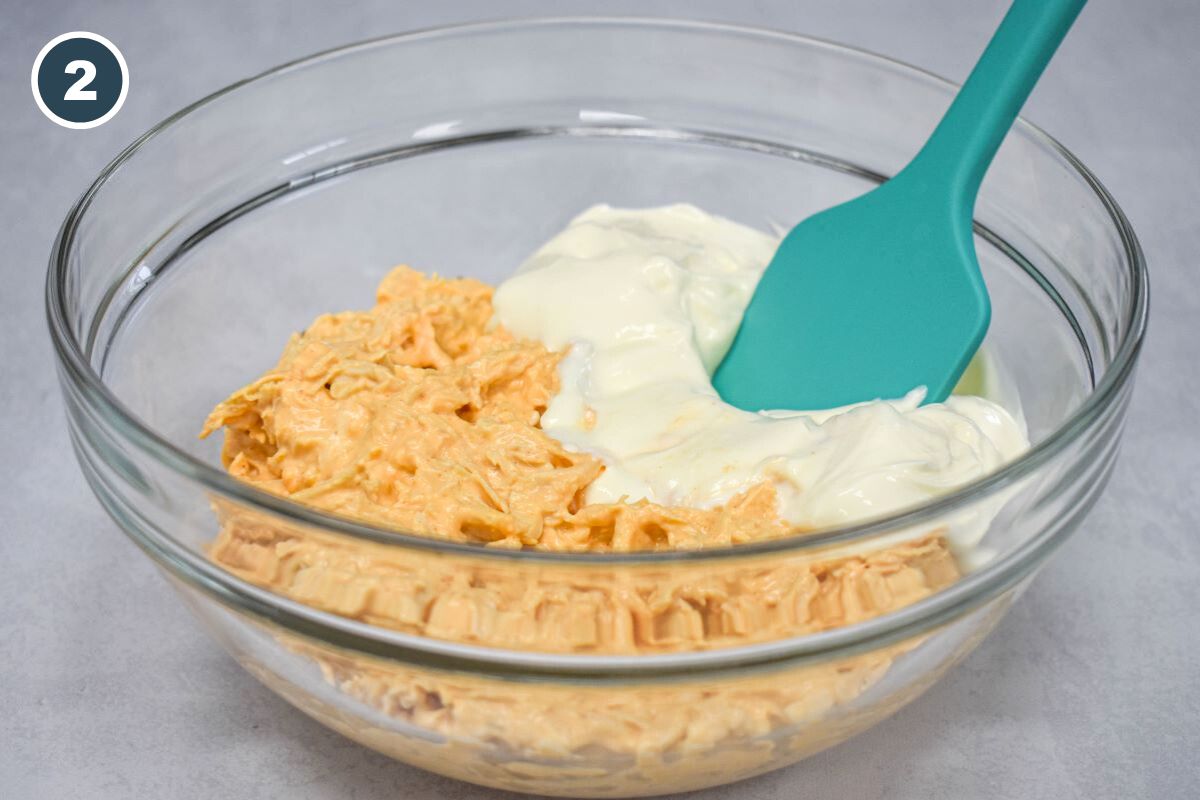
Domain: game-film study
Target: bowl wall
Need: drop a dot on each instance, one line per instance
(615, 737)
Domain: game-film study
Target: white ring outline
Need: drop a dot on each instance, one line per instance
(37, 95)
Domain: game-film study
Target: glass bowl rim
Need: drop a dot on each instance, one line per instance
(79, 373)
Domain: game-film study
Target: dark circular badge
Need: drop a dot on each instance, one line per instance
(80, 80)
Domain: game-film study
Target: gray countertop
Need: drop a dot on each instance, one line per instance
(1089, 689)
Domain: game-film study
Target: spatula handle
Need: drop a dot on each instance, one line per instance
(965, 141)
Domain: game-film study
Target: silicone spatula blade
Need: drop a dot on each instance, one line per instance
(875, 297)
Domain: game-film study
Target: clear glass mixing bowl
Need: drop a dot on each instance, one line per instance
(180, 273)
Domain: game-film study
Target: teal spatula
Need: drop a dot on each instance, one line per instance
(882, 294)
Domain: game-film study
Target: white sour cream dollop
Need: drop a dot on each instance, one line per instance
(648, 302)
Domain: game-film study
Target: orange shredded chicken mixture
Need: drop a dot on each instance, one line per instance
(418, 415)
(421, 415)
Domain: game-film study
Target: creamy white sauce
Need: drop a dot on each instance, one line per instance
(648, 302)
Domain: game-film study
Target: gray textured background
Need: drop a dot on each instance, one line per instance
(1089, 689)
